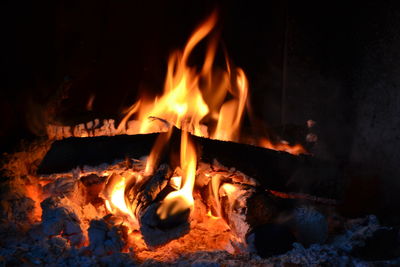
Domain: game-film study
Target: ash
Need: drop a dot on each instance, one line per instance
(60, 223)
(58, 251)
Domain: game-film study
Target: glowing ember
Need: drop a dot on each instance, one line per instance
(283, 146)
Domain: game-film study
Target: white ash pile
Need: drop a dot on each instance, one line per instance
(63, 221)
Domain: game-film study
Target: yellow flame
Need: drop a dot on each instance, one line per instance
(115, 195)
(117, 199)
(156, 151)
(190, 95)
(182, 200)
(296, 149)
(215, 183)
(229, 189)
(195, 99)
(231, 113)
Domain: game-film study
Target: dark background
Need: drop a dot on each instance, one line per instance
(336, 63)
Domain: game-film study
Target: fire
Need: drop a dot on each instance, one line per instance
(182, 200)
(195, 100)
(115, 195)
(209, 102)
(296, 149)
(231, 112)
(153, 158)
(193, 97)
(182, 103)
(118, 197)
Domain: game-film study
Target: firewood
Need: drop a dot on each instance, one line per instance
(146, 197)
(272, 169)
(71, 153)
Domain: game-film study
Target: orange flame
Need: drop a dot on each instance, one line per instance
(155, 153)
(296, 149)
(191, 95)
(115, 195)
(181, 200)
(231, 112)
(195, 98)
(182, 103)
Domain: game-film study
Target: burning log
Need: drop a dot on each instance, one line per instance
(149, 198)
(274, 170)
(71, 153)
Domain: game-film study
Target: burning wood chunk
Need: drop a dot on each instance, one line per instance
(88, 129)
(149, 188)
(274, 170)
(146, 199)
(157, 232)
(105, 237)
(234, 208)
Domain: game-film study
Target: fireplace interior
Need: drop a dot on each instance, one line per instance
(212, 133)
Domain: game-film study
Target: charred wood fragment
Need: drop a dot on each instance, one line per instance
(145, 198)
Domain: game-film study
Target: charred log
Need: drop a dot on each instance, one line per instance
(71, 153)
(145, 197)
(272, 169)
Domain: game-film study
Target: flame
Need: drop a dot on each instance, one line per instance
(115, 195)
(228, 189)
(191, 95)
(182, 103)
(215, 183)
(182, 200)
(118, 196)
(231, 112)
(196, 100)
(89, 104)
(296, 149)
(156, 151)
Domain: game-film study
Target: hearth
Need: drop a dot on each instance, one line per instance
(188, 177)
